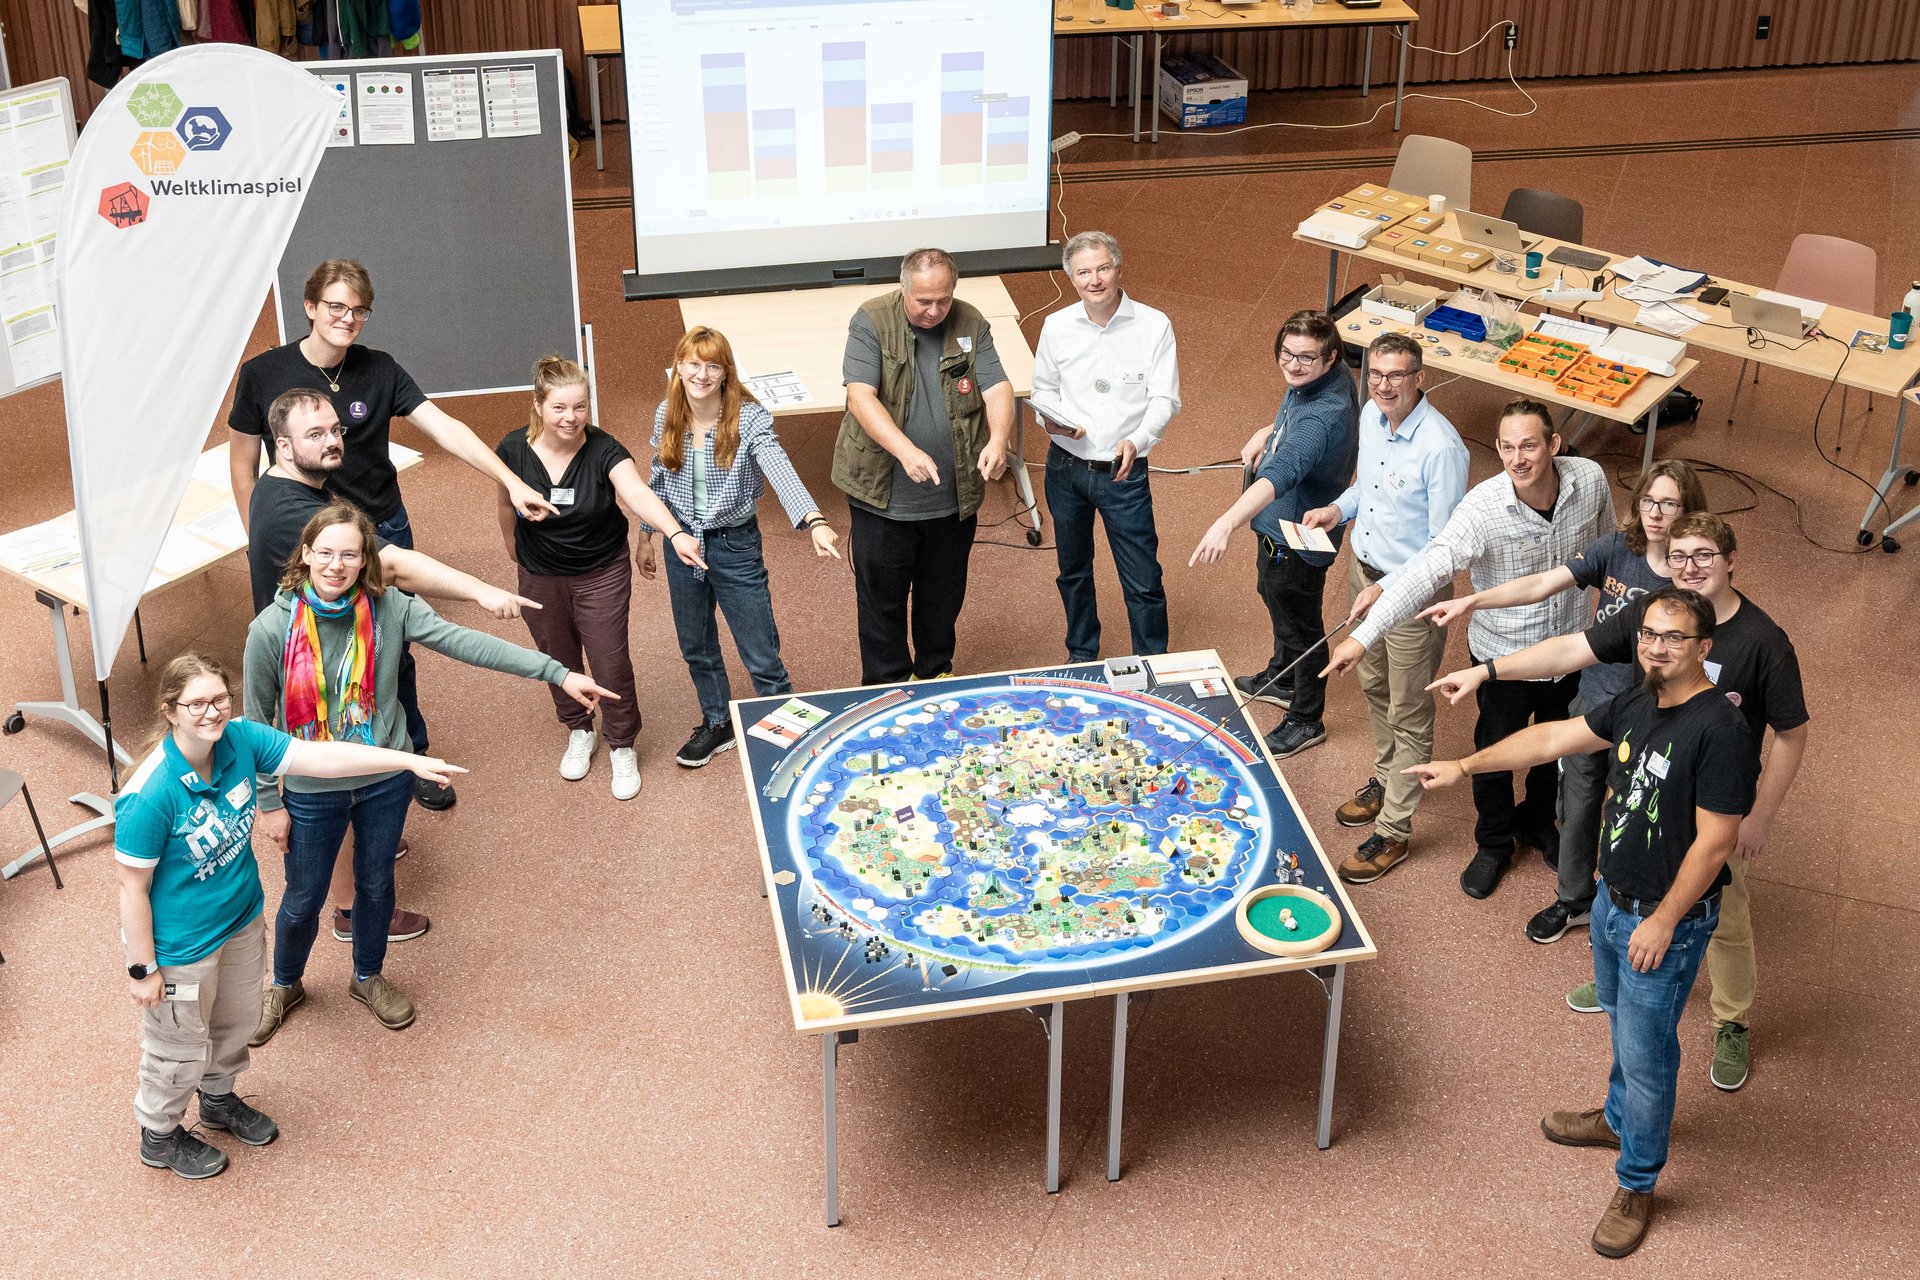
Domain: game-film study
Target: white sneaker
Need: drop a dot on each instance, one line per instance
(626, 773)
(579, 757)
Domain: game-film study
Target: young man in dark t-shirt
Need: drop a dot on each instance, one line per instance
(1681, 781)
(368, 390)
(1755, 666)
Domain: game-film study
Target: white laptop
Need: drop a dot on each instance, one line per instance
(1494, 233)
(1783, 319)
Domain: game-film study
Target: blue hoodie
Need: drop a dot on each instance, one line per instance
(1309, 458)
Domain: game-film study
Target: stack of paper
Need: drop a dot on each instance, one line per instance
(1647, 351)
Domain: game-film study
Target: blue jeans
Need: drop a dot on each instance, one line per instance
(378, 815)
(1643, 1013)
(1075, 491)
(398, 530)
(736, 581)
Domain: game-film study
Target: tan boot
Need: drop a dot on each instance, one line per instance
(1624, 1225)
(1364, 807)
(387, 1002)
(275, 1005)
(1580, 1129)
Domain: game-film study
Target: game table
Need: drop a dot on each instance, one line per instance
(981, 844)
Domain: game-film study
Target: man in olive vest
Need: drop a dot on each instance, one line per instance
(929, 415)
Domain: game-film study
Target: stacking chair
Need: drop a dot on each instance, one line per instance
(1434, 166)
(1544, 213)
(11, 785)
(1840, 273)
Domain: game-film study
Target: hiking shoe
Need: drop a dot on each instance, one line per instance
(1730, 1059)
(1364, 807)
(626, 772)
(404, 927)
(437, 796)
(1624, 1225)
(1584, 998)
(1293, 737)
(181, 1152)
(387, 1002)
(579, 757)
(1376, 856)
(708, 741)
(1273, 695)
(1552, 921)
(275, 1005)
(1580, 1129)
(1482, 875)
(231, 1112)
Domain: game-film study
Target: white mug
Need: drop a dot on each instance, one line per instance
(1437, 205)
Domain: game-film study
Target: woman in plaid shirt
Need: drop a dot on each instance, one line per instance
(715, 452)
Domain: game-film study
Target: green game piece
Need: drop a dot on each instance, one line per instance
(1310, 916)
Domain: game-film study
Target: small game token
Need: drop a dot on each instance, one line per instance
(1442, 351)
(1376, 320)
(1354, 328)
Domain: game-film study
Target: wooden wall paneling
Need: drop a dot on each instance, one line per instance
(47, 38)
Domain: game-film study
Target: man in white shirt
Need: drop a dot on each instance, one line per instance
(1105, 384)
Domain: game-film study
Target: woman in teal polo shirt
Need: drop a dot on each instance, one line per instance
(191, 904)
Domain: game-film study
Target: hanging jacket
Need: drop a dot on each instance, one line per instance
(362, 24)
(148, 28)
(104, 61)
(275, 27)
(404, 18)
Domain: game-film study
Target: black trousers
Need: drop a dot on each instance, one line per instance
(1506, 707)
(1293, 591)
(909, 577)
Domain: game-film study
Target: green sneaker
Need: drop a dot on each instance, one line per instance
(1729, 1056)
(1584, 999)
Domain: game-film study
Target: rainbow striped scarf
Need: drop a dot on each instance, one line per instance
(304, 678)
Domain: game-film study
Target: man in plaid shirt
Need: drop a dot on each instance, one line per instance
(1532, 517)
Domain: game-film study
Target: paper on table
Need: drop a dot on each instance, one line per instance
(1671, 318)
(221, 527)
(41, 548)
(786, 723)
(1572, 330)
(183, 552)
(1301, 538)
(776, 389)
(211, 468)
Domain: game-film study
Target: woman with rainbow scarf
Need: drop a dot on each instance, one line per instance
(324, 660)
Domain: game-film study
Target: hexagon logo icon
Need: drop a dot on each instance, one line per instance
(155, 106)
(203, 128)
(157, 153)
(124, 205)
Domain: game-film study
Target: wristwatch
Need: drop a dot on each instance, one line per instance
(140, 972)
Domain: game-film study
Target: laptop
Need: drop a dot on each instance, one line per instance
(1494, 233)
(1780, 318)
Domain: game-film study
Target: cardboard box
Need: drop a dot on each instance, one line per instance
(1198, 91)
(1471, 257)
(1367, 193)
(1442, 253)
(1402, 303)
(1424, 223)
(1413, 204)
(1414, 247)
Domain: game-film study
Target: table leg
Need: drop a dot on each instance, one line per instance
(1653, 430)
(85, 799)
(1330, 1056)
(1895, 471)
(1153, 86)
(1022, 482)
(68, 710)
(1333, 275)
(593, 98)
(1113, 72)
(829, 1068)
(1366, 64)
(1117, 1086)
(1056, 1032)
(1133, 71)
(1400, 85)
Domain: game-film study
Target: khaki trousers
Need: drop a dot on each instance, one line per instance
(201, 1044)
(1394, 674)
(1730, 954)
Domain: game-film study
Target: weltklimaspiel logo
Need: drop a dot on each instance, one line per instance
(171, 132)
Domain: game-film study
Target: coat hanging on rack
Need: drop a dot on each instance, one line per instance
(148, 28)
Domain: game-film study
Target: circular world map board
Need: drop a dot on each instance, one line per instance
(1031, 827)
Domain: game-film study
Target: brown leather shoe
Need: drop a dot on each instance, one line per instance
(1364, 807)
(1580, 1129)
(1624, 1225)
(1374, 858)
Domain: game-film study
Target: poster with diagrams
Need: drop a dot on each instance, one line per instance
(513, 101)
(385, 102)
(36, 141)
(452, 98)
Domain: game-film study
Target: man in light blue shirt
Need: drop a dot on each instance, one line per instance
(1411, 474)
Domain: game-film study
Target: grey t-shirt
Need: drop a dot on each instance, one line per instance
(927, 424)
(1620, 574)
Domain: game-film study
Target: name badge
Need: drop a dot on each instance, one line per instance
(242, 792)
(965, 388)
(966, 344)
(1396, 481)
(1134, 379)
(560, 497)
(1657, 766)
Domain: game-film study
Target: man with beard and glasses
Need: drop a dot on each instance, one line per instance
(1682, 782)
(1754, 664)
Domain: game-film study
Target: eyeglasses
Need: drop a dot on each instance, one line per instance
(1300, 357)
(345, 559)
(1672, 639)
(688, 368)
(1390, 379)
(199, 707)
(1665, 506)
(341, 310)
(319, 434)
(1702, 559)
(1104, 270)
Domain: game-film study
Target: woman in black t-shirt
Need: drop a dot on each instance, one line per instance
(575, 563)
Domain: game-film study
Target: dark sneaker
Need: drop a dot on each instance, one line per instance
(1482, 875)
(708, 741)
(1374, 858)
(181, 1152)
(1274, 695)
(404, 927)
(1365, 805)
(1730, 1059)
(387, 1002)
(1584, 998)
(275, 1005)
(1624, 1225)
(1580, 1129)
(1547, 843)
(437, 796)
(230, 1111)
(1551, 923)
(1293, 737)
